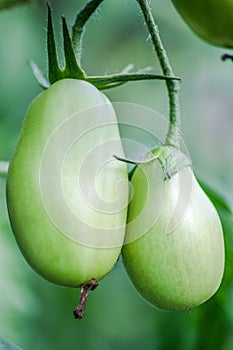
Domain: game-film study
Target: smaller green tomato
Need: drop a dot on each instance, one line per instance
(174, 251)
(212, 20)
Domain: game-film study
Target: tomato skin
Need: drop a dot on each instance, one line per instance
(212, 20)
(173, 264)
(55, 255)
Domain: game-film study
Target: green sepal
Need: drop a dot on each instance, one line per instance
(54, 71)
(42, 81)
(131, 172)
(109, 81)
(72, 69)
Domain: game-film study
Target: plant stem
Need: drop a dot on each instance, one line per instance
(173, 86)
(227, 56)
(79, 310)
(108, 80)
(4, 168)
(78, 27)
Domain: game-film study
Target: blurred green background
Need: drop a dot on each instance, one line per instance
(38, 315)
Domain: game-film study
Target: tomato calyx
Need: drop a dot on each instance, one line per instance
(55, 72)
(171, 159)
(72, 68)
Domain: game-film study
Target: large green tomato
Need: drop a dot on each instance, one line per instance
(174, 251)
(211, 19)
(65, 198)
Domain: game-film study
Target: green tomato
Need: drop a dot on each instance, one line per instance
(174, 251)
(66, 207)
(212, 20)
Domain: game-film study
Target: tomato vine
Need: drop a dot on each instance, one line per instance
(173, 86)
(73, 52)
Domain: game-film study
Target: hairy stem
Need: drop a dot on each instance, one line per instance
(104, 81)
(79, 24)
(173, 86)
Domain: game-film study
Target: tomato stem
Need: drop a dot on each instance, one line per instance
(4, 168)
(79, 25)
(111, 80)
(85, 289)
(227, 56)
(173, 86)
